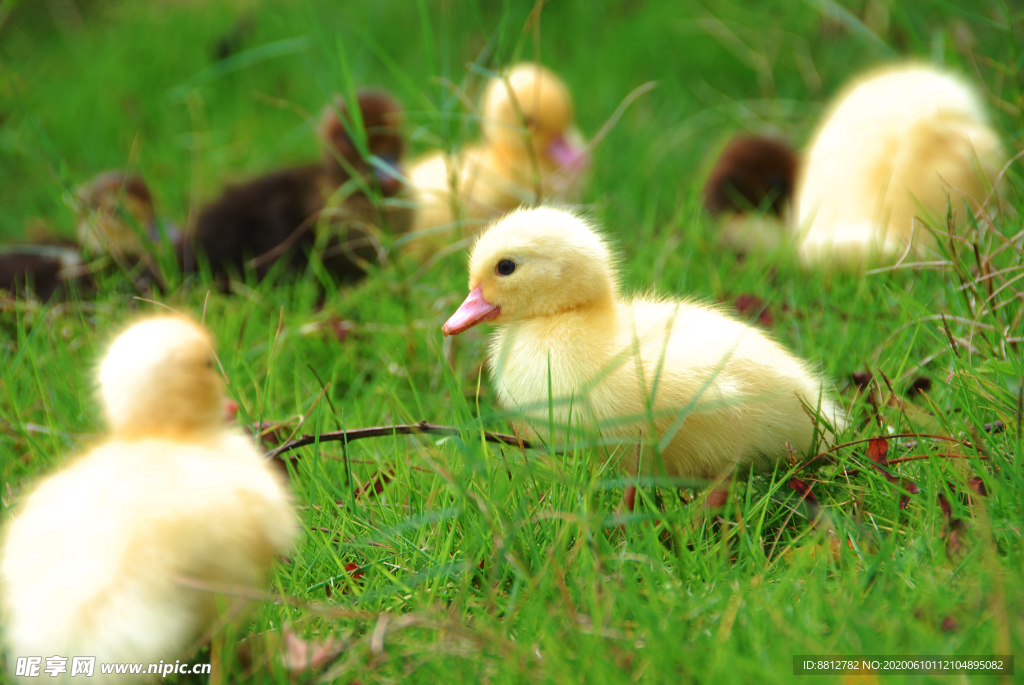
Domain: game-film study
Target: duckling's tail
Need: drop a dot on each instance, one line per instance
(832, 412)
(850, 245)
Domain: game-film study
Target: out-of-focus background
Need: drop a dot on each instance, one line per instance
(485, 564)
(194, 93)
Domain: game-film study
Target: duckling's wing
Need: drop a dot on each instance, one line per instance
(66, 582)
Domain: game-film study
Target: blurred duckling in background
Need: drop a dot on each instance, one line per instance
(328, 207)
(724, 393)
(114, 209)
(750, 191)
(530, 151)
(40, 270)
(898, 143)
(97, 559)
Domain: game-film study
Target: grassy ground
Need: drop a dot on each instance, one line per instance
(481, 564)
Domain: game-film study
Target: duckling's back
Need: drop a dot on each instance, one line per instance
(725, 393)
(94, 561)
(896, 145)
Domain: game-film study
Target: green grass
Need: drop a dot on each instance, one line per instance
(493, 565)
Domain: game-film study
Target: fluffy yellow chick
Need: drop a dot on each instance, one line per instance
(723, 393)
(897, 143)
(93, 560)
(529, 145)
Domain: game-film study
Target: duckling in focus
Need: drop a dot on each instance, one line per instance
(724, 393)
(750, 190)
(94, 558)
(323, 207)
(530, 151)
(897, 144)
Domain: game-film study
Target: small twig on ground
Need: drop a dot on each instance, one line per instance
(944, 455)
(830, 450)
(949, 336)
(381, 431)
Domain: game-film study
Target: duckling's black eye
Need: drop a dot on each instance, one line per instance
(506, 267)
(209, 363)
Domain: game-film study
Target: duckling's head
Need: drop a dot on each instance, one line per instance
(752, 172)
(382, 121)
(160, 379)
(112, 207)
(533, 98)
(533, 263)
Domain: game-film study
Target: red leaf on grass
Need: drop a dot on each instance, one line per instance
(804, 489)
(353, 570)
(341, 329)
(375, 485)
(748, 305)
(877, 449)
(949, 625)
(629, 498)
(944, 505)
(978, 485)
(911, 487)
(717, 498)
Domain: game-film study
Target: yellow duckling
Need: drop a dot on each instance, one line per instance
(530, 150)
(723, 393)
(97, 560)
(897, 144)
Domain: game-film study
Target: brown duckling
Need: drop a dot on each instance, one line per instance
(750, 191)
(42, 270)
(325, 206)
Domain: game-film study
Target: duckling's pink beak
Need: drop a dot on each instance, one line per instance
(474, 310)
(566, 154)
